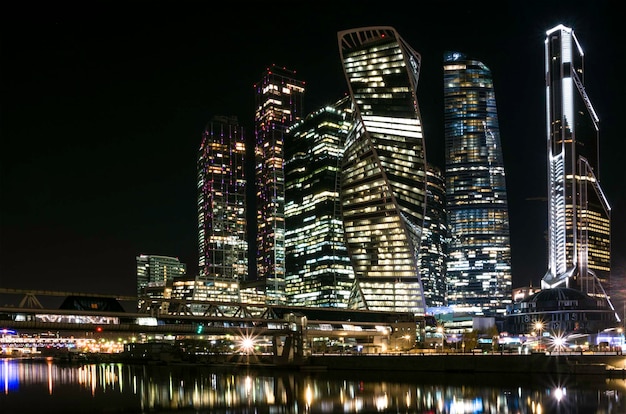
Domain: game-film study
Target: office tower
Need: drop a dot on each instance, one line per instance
(383, 185)
(198, 296)
(318, 269)
(479, 252)
(222, 239)
(155, 276)
(433, 249)
(579, 224)
(279, 99)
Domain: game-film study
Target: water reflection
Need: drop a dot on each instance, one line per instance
(37, 386)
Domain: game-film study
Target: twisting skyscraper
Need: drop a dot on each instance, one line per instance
(579, 224)
(223, 246)
(279, 99)
(479, 262)
(383, 181)
(318, 269)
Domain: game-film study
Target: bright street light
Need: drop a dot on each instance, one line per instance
(440, 331)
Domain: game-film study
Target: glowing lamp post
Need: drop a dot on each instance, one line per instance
(539, 329)
(440, 331)
(247, 345)
(559, 342)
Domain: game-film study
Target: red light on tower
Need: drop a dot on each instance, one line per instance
(99, 329)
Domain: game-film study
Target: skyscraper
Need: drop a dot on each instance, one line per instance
(383, 185)
(579, 219)
(155, 275)
(318, 269)
(479, 251)
(223, 246)
(433, 250)
(279, 99)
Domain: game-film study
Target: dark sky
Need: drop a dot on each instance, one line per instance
(104, 103)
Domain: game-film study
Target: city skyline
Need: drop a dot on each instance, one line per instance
(102, 124)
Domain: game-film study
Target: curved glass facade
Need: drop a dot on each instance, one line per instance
(479, 262)
(433, 250)
(383, 185)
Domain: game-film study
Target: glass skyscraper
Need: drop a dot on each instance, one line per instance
(383, 184)
(433, 251)
(318, 269)
(279, 100)
(579, 223)
(479, 251)
(222, 239)
(155, 276)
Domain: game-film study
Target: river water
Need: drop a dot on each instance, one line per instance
(46, 386)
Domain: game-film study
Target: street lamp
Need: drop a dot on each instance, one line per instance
(246, 344)
(440, 331)
(407, 345)
(539, 329)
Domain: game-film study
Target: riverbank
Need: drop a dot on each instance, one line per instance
(609, 365)
(536, 363)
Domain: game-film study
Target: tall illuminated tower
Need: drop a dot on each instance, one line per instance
(383, 185)
(433, 250)
(279, 99)
(579, 219)
(479, 261)
(223, 247)
(318, 269)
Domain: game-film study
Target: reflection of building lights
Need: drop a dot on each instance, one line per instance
(49, 376)
(308, 395)
(466, 406)
(269, 394)
(382, 402)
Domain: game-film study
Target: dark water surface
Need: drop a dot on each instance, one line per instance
(40, 386)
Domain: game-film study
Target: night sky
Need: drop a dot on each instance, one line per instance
(104, 104)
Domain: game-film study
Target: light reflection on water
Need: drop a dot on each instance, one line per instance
(46, 386)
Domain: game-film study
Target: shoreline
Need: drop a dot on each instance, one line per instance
(536, 363)
(609, 365)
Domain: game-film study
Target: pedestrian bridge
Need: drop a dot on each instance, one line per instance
(103, 314)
